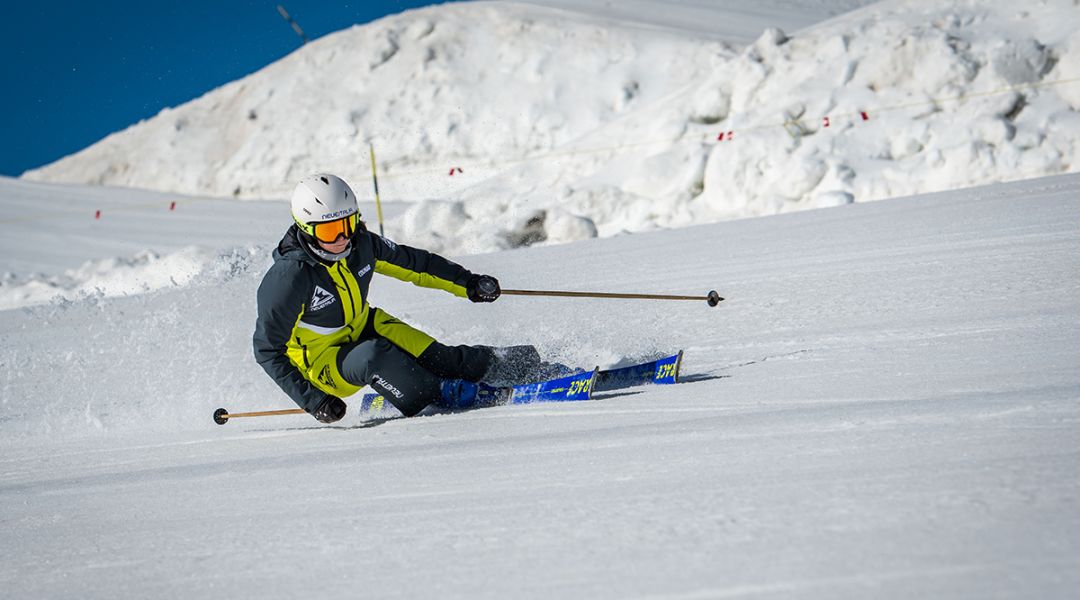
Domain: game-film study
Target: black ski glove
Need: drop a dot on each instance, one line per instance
(482, 288)
(331, 410)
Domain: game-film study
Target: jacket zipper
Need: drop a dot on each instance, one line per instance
(348, 290)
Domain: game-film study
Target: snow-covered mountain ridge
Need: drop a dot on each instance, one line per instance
(568, 127)
(471, 80)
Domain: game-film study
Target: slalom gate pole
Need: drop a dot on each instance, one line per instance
(712, 298)
(375, 180)
(292, 22)
(221, 416)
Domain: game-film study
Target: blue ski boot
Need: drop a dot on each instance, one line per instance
(458, 394)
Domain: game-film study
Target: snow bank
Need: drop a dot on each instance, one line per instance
(954, 98)
(897, 99)
(145, 272)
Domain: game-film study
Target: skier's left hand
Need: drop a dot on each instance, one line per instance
(331, 410)
(482, 288)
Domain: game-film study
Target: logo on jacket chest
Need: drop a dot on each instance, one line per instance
(321, 299)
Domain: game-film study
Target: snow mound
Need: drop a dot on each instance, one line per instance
(145, 272)
(463, 81)
(574, 126)
(897, 99)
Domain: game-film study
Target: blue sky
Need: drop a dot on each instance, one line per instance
(73, 72)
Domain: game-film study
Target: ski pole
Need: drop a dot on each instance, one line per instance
(221, 416)
(712, 298)
(375, 180)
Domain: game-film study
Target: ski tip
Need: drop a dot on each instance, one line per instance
(372, 403)
(665, 371)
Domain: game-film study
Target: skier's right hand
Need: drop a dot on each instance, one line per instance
(331, 410)
(482, 288)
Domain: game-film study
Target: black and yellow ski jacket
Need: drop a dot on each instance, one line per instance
(308, 309)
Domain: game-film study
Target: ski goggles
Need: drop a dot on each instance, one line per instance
(328, 231)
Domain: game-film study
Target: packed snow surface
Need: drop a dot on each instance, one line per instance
(886, 405)
(516, 124)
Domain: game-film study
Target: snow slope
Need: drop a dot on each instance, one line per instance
(886, 406)
(563, 124)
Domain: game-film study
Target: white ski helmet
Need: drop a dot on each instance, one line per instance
(322, 197)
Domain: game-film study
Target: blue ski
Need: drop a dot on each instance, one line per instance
(661, 371)
(578, 386)
(564, 389)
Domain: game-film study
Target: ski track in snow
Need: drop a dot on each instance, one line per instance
(886, 405)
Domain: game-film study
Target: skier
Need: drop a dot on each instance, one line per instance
(320, 340)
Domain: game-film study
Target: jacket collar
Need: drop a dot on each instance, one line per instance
(293, 247)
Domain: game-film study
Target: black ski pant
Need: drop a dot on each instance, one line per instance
(410, 383)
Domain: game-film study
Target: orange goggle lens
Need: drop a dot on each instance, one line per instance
(328, 231)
